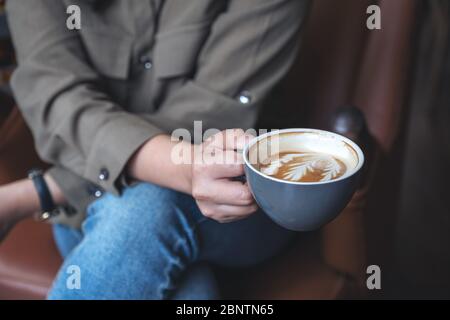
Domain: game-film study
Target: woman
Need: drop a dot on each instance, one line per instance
(102, 101)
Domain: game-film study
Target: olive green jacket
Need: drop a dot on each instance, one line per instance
(138, 68)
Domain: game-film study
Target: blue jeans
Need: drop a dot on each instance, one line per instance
(154, 243)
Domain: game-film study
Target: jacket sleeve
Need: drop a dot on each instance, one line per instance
(250, 48)
(74, 123)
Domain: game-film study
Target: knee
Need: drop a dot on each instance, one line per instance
(141, 208)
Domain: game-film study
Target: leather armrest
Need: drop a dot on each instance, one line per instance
(382, 86)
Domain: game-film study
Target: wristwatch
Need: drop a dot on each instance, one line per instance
(48, 208)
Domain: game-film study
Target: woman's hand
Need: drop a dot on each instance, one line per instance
(207, 176)
(216, 163)
(14, 200)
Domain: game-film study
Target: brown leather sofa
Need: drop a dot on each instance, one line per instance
(341, 63)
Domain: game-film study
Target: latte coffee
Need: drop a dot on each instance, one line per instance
(304, 157)
(302, 178)
(303, 166)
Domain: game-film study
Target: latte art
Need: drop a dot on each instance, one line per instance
(303, 167)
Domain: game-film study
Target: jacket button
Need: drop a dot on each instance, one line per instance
(146, 62)
(98, 193)
(103, 175)
(94, 190)
(245, 97)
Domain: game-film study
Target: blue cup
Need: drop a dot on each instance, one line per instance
(302, 206)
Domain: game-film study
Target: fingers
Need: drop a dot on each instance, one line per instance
(226, 213)
(231, 139)
(218, 197)
(224, 192)
(224, 164)
(212, 155)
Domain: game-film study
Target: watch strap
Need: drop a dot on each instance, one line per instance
(45, 197)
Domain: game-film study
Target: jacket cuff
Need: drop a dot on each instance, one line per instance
(78, 193)
(114, 145)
